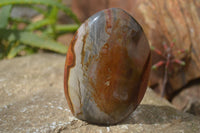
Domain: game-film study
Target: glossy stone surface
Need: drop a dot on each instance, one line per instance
(107, 67)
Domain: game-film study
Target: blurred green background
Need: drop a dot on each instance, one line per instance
(29, 26)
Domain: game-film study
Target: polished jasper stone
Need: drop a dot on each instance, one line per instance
(107, 67)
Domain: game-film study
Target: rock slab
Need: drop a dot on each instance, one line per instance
(32, 100)
(188, 100)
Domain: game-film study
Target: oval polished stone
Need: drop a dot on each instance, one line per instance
(107, 67)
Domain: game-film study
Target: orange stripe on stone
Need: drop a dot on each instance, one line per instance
(70, 62)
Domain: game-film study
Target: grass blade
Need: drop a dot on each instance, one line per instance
(67, 28)
(15, 50)
(4, 16)
(38, 24)
(32, 39)
(62, 29)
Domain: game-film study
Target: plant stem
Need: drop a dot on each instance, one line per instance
(63, 29)
(164, 83)
(165, 75)
(67, 28)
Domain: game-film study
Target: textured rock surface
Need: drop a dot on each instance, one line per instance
(32, 100)
(188, 100)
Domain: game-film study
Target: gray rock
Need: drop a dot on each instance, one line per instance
(188, 100)
(193, 107)
(32, 100)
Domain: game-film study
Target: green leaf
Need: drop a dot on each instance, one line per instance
(60, 29)
(53, 13)
(43, 2)
(38, 24)
(32, 39)
(67, 28)
(15, 50)
(53, 17)
(4, 16)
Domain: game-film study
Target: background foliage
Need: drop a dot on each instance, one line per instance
(41, 34)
